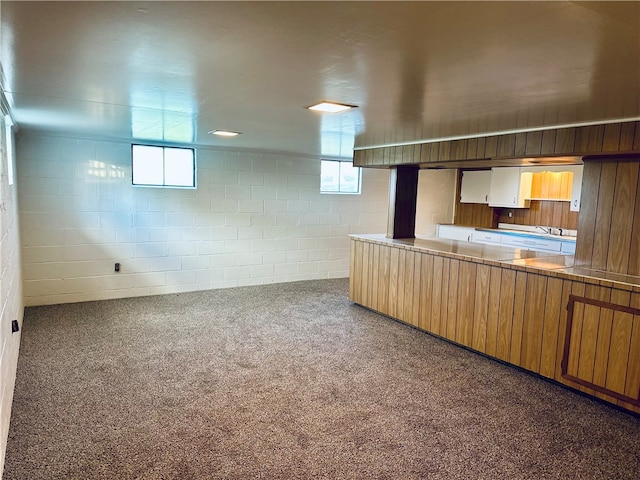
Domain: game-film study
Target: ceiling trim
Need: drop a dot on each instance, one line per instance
(501, 132)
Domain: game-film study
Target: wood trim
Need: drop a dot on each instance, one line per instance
(614, 138)
(571, 311)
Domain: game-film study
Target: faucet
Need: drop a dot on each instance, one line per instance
(549, 230)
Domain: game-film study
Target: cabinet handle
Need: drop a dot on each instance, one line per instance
(486, 198)
(514, 200)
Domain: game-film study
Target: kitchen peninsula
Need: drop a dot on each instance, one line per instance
(574, 319)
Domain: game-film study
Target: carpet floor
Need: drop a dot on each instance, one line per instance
(287, 381)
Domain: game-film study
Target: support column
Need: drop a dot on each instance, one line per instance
(403, 193)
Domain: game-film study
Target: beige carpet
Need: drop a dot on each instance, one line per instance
(288, 381)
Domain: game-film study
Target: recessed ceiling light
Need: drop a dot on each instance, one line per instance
(224, 133)
(331, 107)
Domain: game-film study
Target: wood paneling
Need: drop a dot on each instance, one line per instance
(505, 322)
(481, 305)
(541, 212)
(614, 358)
(475, 215)
(611, 140)
(534, 143)
(548, 142)
(603, 215)
(521, 144)
(472, 148)
(624, 201)
(589, 140)
(588, 208)
(458, 150)
(491, 147)
(493, 311)
(609, 221)
(506, 146)
(515, 315)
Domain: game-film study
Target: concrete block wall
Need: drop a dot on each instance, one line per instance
(11, 306)
(254, 218)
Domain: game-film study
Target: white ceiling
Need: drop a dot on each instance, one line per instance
(172, 71)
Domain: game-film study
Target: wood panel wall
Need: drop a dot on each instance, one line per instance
(612, 138)
(609, 222)
(541, 212)
(514, 314)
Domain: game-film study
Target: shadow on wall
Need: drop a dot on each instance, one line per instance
(436, 200)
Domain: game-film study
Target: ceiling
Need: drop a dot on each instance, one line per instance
(173, 71)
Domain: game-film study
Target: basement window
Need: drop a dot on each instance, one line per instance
(339, 177)
(155, 166)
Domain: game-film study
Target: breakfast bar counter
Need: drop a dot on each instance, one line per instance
(535, 310)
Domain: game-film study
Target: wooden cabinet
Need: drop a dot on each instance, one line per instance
(510, 187)
(475, 186)
(550, 183)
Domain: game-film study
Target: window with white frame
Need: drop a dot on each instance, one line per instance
(339, 177)
(163, 166)
(8, 128)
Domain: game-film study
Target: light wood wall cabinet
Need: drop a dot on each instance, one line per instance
(514, 313)
(612, 138)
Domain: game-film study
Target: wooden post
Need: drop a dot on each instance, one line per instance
(403, 193)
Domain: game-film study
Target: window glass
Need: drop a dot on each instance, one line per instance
(178, 165)
(163, 166)
(339, 177)
(349, 178)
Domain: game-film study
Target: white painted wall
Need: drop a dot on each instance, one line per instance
(436, 200)
(11, 306)
(254, 218)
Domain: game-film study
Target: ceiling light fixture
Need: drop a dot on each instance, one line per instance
(224, 133)
(331, 107)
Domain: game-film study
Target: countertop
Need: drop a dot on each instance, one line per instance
(520, 233)
(552, 264)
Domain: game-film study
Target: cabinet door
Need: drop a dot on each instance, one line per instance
(540, 245)
(454, 232)
(576, 188)
(510, 187)
(490, 238)
(475, 186)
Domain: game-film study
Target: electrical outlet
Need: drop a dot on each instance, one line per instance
(116, 267)
(15, 326)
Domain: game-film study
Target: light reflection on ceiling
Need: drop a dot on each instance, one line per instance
(173, 71)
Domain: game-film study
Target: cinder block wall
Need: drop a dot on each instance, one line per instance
(254, 218)
(11, 306)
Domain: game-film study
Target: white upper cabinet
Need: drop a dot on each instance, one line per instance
(510, 187)
(475, 186)
(576, 187)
